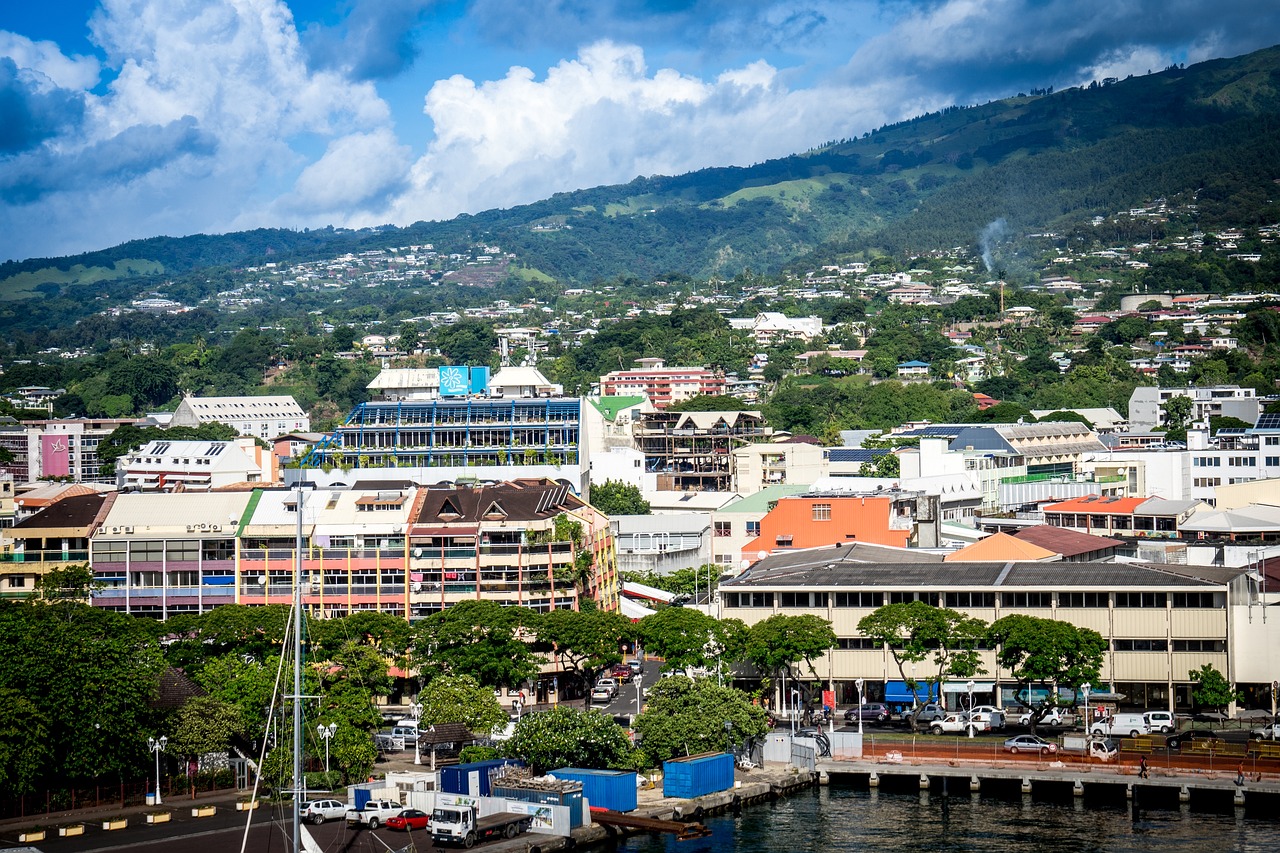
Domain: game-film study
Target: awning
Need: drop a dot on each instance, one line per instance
(897, 692)
(462, 530)
(963, 687)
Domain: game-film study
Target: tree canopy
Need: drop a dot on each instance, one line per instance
(1046, 653)
(916, 631)
(687, 716)
(568, 737)
(613, 497)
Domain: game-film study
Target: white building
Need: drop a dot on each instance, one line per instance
(194, 466)
(262, 417)
(1229, 400)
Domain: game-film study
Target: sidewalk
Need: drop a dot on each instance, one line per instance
(91, 814)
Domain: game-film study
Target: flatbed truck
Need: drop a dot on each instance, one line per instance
(461, 825)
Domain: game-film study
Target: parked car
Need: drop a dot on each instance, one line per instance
(609, 683)
(992, 716)
(1029, 743)
(1161, 721)
(635, 666)
(956, 724)
(930, 712)
(1184, 739)
(1271, 732)
(601, 696)
(409, 819)
(1055, 717)
(318, 811)
(622, 673)
(1121, 724)
(873, 712)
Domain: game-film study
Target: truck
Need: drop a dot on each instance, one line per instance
(373, 814)
(462, 825)
(957, 724)
(1096, 748)
(1269, 732)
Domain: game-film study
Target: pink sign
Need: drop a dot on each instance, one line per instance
(55, 457)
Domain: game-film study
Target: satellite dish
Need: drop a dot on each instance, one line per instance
(417, 552)
(760, 555)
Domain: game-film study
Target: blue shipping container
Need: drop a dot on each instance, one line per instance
(472, 779)
(604, 789)
(697, 776)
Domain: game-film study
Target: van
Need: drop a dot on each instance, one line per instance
(1161, 721)
(1121, 724)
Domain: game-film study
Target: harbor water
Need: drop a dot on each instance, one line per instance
(846, 818)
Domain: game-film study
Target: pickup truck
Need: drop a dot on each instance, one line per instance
(1097, 748)
(957, 724)
(373, 814)
(461, 825)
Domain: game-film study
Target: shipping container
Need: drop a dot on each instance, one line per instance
(605, 789)
(473, 780)
(572, 799)
(697, 775)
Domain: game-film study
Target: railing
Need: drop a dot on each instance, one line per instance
(58, 556)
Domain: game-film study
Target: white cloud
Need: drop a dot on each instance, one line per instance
(352, 177)
(45, 57)
(604, 118)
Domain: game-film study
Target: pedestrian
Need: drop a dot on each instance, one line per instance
(1142, 768)
(1240, 774)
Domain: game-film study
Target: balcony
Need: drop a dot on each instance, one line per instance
(47, 556)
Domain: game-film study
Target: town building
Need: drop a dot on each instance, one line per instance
(693, 450)
(63, 448)
(54, 538)
(162, 465)
(1160, 621)
(260, 417)
(661, 384)
(814, 519)
(662, 544)
(1219, 400)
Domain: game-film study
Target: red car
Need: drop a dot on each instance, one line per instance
(409, 819)
(623, 673)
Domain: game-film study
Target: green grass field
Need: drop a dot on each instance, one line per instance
(23, 285)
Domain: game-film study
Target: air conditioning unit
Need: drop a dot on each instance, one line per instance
(115, 530)
(417, 587)
(128, 529)
(191, 528)
(215, 527)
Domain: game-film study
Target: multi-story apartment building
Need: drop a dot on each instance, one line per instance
(1145, 403)
(261, 417)
(196, 466)
(1160, 622)
(661, 384)
(63, 448)
(693, 450)
(55, 538)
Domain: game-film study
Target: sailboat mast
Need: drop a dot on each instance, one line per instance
(298, 784)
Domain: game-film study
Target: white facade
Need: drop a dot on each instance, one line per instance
(262, 417)
(623, 465)
(1230, 400)
(195, 466)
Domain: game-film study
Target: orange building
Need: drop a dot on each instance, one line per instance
(811, 521)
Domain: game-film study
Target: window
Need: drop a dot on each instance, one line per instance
(218, 549)
(929, 598)
(143, 580)
(1141, 599)
(1273, 461)
(870, 600)
(857, 643)
(1199, 645)
(1273, 441)
(971, 599)
(184, 578)
(1141, 645)
(753, 528)
(724, 528)
(1193, 599)
(1026, 599)
(146, 552)
(182, 551)
(804, 599)
(822, 512)
(747, 599)
(761, 599)
(17, 581)
(1082, 599)
(1241, 462)
(109, 552)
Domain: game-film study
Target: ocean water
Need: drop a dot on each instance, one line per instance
(844, 818)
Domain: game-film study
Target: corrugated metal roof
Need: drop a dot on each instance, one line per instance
(999, 546)
(161, 514)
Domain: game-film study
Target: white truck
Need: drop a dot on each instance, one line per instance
(373, 814)
(1270, 732)
(463, 826)
(957, 724)
(1096, 748)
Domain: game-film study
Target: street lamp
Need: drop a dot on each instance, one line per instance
(415, 708)
(1085, 688)
(795, 707)
(326, 732)
(157, 746)
(969, 725)
(639, 693)
(859, 682)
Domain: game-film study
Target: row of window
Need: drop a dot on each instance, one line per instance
(987, 600)
(865, 644)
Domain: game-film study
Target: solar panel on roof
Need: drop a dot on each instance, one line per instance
(1269, 420)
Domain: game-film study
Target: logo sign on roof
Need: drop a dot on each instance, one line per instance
(455, 381)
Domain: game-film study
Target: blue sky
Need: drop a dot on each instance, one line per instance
(122, 119)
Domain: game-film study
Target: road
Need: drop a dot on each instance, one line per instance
(625, 703)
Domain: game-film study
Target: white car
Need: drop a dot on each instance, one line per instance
(610, 684)
(601, 696)
(1055, 717)
(318, 811)
(990, 715)
(956, 724)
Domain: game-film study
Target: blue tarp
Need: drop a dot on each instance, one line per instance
(897, 693)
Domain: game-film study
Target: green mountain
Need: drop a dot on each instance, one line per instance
(1040, 161)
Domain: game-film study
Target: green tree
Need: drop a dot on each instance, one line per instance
(24, 743)
(1046, 653)
(584, 642)
(248, 685)
(686, 716)
(710, 403)
(568, 737)
(461, 699)
(352, 751)
(1212, 690)
(681, 636)
(776, 645)
(204, 724)
(482, 639)
(1177, 411)
(614, 497)
(885, 465)
(915, 632)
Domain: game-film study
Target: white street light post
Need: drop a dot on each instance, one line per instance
(326, 732)
(795, 708)
(639, 693)
(1085, 689)
(157, 746)
(859, 682)
(415, 708)
(969, 725)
